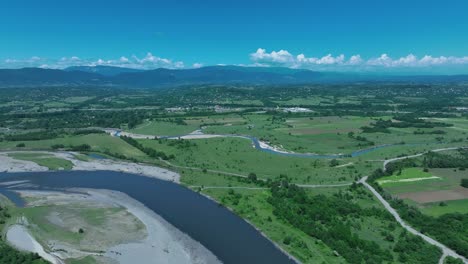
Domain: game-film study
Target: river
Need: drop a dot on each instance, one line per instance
(226, 235)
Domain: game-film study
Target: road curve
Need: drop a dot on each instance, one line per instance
(445, 250)
(386, 162)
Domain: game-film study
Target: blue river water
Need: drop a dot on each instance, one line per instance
(225, 234)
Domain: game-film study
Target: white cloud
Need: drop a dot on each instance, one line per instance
(281, 56)
(123, 59)
(34, 61)
(197, 65)
(149, 61)
(355, 62)
(284, 58)
(329, 59)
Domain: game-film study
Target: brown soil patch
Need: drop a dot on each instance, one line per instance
(458, 193)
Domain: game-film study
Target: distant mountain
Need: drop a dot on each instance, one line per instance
(42, 77)
(123, 77)
(103, 70)
(218, 75)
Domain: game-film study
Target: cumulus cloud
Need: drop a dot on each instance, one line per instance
(34, 61)
(355, 60)
(280, 57)
(197, 65)
(284, 58)
(149, 61)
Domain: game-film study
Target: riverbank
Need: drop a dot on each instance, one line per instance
(160, 240)
(164, 242)
(19, 237)
(9, 164)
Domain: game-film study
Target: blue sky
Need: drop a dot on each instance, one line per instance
(341, 35)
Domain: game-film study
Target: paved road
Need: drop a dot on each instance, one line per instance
(386, 162)
(446, 251)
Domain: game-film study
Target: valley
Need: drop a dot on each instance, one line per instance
(249, 150)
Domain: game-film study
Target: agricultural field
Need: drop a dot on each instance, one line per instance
(436, 191)
(366, 125)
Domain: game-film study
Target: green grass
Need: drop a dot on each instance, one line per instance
(435, 209)
(163, 128)
(82, 157)
(78, 99)
(406, 174)
(459, 123)
(254, 207)
(45, 230)
(85, 260)
(449, 179)
(242, 102)
(49, 161)
(315, 135)
(308, 101)
(236, 155)
(98, 143)
(199, 178)
(327, 135)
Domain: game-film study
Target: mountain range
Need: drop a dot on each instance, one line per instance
(126, 77)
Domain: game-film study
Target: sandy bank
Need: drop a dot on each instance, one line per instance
(19, 237)
(164, 242)
(11, 165)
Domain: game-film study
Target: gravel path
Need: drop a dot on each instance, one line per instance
(446, 251)
(386, 162)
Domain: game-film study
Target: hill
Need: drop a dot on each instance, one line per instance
(125, 77)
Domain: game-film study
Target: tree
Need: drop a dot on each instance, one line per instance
(252, 177)
(464, 183)
(334, 163)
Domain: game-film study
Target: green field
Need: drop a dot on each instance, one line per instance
(406, 176)
(98, 143)
(163, 129)
(237, 155)
(438, 209)
(254, 207)
(449, 179)
(339, 115)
